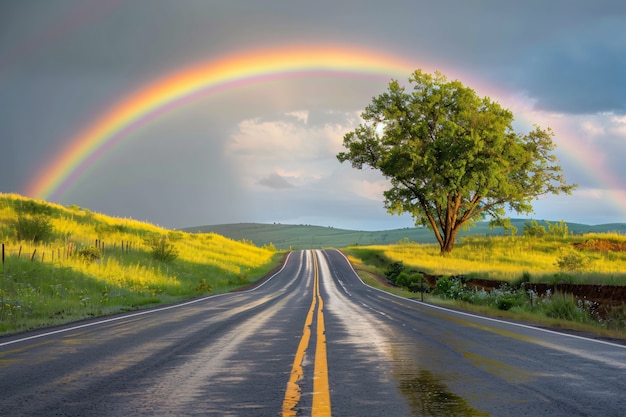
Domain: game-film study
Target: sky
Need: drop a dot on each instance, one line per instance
(260, 143)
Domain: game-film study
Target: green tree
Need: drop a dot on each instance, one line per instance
(452, 157)
(559, 229)
(534, 229)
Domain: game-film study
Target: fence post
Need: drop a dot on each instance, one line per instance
(3, 254)
(32, 257)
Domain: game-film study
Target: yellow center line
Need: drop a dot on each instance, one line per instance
(321, 392)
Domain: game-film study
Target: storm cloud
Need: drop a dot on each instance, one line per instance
(266, 151)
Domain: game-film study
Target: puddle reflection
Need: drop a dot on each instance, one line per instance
(428, 396)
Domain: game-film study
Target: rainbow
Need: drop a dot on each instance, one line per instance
(168, 93)
(165, 94)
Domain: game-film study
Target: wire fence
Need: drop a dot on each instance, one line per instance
(60, 253)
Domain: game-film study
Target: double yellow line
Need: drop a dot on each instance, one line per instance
(321, 392)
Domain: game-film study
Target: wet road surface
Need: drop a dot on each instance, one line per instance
(312, 340)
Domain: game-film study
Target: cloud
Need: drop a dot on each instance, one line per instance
(69, 61)
(302, 116)
(619, 125)
(579, 70)
(274, 180)
(586, 205)
(285, 145)
(592, 129)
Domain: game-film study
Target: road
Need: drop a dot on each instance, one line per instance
(311, 340)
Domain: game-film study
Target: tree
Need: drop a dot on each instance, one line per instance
(452, 157)
(534, 229)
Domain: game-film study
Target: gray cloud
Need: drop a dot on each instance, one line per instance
(275, 181)
(581, 71)
(67, 62)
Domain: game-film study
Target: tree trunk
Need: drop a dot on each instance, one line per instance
(447, 247)
(448, 242)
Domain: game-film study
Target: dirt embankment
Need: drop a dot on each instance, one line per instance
(603, 298)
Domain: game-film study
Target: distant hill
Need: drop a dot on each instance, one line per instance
(284, 236)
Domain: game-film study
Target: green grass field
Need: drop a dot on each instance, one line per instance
(53, 280)
(517, 262)
(509, 258)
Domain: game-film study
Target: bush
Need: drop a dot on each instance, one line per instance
(36, 228)
(572, 261)
(393, 271)
(33, 207)
(448, 287)
(413, 282)
(559, 229)
(506, 301)
(89, 254)
(161, 248)
(565, 307)
(534, 229)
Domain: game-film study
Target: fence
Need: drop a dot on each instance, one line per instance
(62, 253)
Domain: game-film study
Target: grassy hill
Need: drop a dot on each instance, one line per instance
(62, 264)
(306, 236)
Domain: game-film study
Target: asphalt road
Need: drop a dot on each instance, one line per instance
(312, 340)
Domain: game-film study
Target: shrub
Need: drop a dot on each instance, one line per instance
(507, 301)
(36, 228)
(559, 229)
(506, 297)
(32, 207)
(572, 261)
(203, 286)
(565, 307)
(89, 254)
(413, 282)
(616, 318)
(269, 247)
(449, 288)
(393, 271)
(534, 229)
(161, 248)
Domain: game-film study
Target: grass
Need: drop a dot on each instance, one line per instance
(508, 258)
(537, 317)
(512, 260)
(46, 283)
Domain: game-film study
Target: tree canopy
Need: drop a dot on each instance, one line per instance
(452, 157)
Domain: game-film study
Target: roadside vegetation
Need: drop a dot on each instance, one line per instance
(67, 263)
(545, 275)
(63, 264)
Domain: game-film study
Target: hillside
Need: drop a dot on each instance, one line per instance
(306, 236)
(62, 264)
